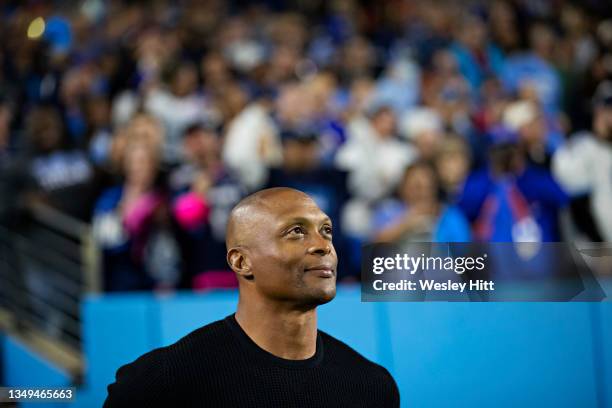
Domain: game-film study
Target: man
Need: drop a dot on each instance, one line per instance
(269, 353)
(583, 167)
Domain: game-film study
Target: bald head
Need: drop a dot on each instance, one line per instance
(279, 243)
(245, 217)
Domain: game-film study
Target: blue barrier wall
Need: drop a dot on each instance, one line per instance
(441, 354)
(500, 354)
(23, 367)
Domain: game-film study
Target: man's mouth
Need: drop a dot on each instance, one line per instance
(322, 271)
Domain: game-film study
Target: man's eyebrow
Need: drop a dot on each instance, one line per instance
(305, 220)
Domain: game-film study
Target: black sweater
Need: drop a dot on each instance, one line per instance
(218, 365)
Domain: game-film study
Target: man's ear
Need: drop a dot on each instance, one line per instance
(240, 263)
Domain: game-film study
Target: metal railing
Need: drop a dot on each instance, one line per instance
(48, 262)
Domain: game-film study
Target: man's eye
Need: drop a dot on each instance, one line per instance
(297, 230)
(328, 230)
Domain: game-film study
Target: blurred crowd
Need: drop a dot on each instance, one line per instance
(406, 120)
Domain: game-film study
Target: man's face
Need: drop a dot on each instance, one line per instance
(293, 258)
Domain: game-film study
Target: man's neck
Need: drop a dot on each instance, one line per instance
(287, 333)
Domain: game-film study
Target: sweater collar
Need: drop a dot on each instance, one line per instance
(269, 358)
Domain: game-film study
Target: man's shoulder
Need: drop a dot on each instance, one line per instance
(154, 374)
(211, 335)
(345, 354)
(203, 341)
(375, 375)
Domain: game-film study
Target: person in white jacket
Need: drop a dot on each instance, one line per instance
(584, 164)
(252, 142)
(374, 157)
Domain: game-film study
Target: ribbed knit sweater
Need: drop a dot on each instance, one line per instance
(218, 365)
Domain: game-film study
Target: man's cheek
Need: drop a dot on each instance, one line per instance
(285, 261)
(335, 255)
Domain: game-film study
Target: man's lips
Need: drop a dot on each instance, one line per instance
(322, 271)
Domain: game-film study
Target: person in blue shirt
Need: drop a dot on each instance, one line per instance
(532, 72)
(419, 215)
(510, 200)
(477, 58)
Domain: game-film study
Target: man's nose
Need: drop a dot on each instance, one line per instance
(320, 246)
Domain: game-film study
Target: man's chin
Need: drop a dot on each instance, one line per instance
(320, 296)
(326, 295)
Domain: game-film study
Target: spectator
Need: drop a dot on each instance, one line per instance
(327, 118)
(129, 224)
(419, 215)
(477, 57)
(141, 128)
(504, 25)
(584, 164)
(532, 74)
(423, 127)
(99, 132)
(510, 200)
(252, 143)
(447, 92)
(358, 58)
(177, 105)
(453, 164)
(525, 119)
(399, 87)
(204, 192)
(486, 117)
(373, 155)
(53, 172)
